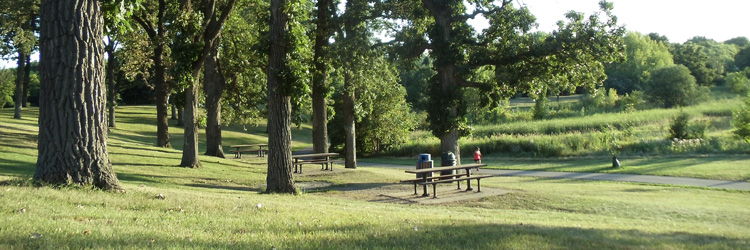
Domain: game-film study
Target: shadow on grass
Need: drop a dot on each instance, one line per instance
(17, 168)
(400, 236)
(233, 188)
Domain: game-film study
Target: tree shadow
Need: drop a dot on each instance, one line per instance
(409, 234)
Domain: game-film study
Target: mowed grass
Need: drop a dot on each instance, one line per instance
(220, 206)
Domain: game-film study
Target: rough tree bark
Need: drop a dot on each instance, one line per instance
(320, 109)
(212, 25)
(279, 178)
(18, 96)
(446, 68)
(26, 82)
(111, 84)
(214, 88)
(190, 148)
(72, 119)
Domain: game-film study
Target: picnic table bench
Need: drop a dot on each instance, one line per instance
(427, 177)
(239, 149)
(324, 159)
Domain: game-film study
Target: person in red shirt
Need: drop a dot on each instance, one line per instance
(477, 155)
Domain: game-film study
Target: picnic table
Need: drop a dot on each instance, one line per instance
(317, 158)
(427, 177)
(239, 149)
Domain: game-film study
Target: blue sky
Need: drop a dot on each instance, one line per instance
(679, 20)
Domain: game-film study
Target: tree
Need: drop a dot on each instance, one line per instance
(741, 121)
(286, 51)
(17, 27)
(672, 86)
(199, 27)
(152, 17)
(742, 58)
(7, 87)
(213, 88)
(244, 71)
(642, 55)
(323, 32)
(415, 80)
(575, 54)
(740, 42)
(383, 116)
(72, 119)
(706, 58)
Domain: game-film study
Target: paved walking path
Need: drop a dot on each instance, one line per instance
(682, 181)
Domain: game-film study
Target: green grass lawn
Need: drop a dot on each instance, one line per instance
(220, 205)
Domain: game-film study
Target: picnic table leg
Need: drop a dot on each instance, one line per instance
(479, 186)
(434, 190)
(424, 179)
(415, 188)
(468, 182)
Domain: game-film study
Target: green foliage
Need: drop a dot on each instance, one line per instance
(741, 121)
(7, 86)
(384, 118)
(738, 81)
(706, 59)
(642, 55)
(681, 128)
(742, 58)
(601, 98)
(244, 70)
(18, 26)
(674, 86)
(519, 61)
(415, 80)
(541, 108)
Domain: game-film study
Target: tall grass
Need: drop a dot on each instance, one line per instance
(643, 132)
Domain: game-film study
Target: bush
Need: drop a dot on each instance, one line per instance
(741, 121)
(738, 81)
(680, 128)
(674, 86)
(541, 108)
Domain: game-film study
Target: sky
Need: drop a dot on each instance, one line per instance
(678, 20)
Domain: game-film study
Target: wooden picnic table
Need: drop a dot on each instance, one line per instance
(317, 158)
(426, 175)
(238, 149)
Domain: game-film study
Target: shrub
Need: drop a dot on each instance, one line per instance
(741, 121)
(673, 86)
(738, 81)
(680, 128)
(541, 108)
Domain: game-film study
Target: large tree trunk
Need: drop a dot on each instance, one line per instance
(279, 178)
(446, 69)
(111, 84)
(190, 148)
(350, 136)
(26, 82)
(213, 89)
(18, 97)
(72, 119)
(320, 109)
(162, 98)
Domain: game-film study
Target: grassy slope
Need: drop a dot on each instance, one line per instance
(218, 207)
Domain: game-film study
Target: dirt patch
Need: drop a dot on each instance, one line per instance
(404, 193)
